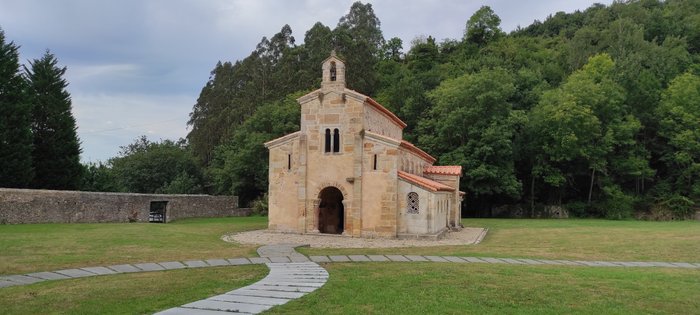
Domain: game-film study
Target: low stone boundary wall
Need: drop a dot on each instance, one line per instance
(54, 206)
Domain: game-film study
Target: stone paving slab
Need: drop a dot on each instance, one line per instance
(75, 273)
(298, 277)
(320, 259)
(259, 260)
(684, 265)
(436, 259)
(474, 260)
(265, 287)
(192, 311)
(280, 259)
(6, 283)
(512, 261)
(268, 293)
(22, 279)
(171, 265)
(377, 258)
(292, 284)
(195, 264)
(397, 258)
(100, 271)
(568, 262)
(531, 261)
(149, 267)
(124, 268)
(238, 261)
(493, 260)
(48, 275)
(416, 258)
(549, 262)
(454, 259)
(217, 262)
(298, 258)
(228, 306)
(249, 299)
(607, 264)
(359, 258)
(662, 264)
(339, 258)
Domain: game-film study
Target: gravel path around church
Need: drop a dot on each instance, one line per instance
(466, 236)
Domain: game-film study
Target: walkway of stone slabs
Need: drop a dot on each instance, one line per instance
(292, 275)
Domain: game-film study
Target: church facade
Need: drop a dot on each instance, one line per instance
(348, 171)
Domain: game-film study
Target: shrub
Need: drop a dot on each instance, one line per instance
(259, 205)
(616, 205)
(577, 209)
(680, 206)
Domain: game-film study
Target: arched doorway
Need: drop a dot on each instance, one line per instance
(331, 214)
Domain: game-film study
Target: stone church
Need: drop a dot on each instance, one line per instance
(348, 171)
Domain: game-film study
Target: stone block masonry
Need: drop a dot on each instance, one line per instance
(52, 206)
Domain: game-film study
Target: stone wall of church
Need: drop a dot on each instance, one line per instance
(379, 189)
(455, 214)
(411, 163)
(331, 110)
(378, 123)
(283, 187)
(430, 219)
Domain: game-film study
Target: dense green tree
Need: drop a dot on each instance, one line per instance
(679, 115)
(358, 40)
(56, 152)
(240, 166)
(571, 107)
(157, 167)
(483, 27)
(99, 177)
(472, 126)
(15, 120)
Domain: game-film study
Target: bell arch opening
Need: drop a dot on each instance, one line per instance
(331, 212)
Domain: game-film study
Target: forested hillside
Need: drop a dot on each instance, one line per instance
(597, 110)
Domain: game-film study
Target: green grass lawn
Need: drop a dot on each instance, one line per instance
(452, 288)
(364, 288)
(566, 239)
(139, 293)
(42, 247)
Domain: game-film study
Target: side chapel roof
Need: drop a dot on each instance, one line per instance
(428, 184)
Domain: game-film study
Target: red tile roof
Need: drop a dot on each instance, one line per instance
(424, 182)
(444, 170)
(410, 147)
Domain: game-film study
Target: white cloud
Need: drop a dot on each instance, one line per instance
(136, 67)
(106, 122)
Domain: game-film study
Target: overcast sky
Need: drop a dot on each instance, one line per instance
(136, 67)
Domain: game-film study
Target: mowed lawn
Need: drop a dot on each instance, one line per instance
(135, 293)
(454, 288)
(42, 247)
(364, 288)
(577, 239)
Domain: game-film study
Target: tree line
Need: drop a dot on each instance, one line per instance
(595, 110)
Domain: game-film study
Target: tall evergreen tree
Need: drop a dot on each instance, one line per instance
(359, 40)
(15, 110)
(56, 154)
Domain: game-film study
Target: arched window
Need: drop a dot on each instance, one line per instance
(412, 203)
(333, 71)
(336, 140)
(328, 141)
